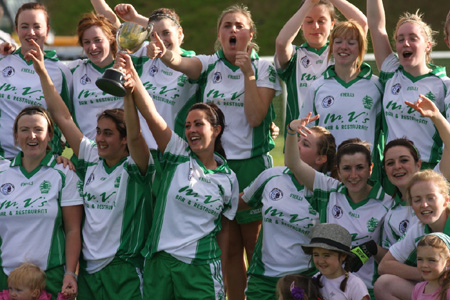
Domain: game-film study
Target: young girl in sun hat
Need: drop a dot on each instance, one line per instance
(330, 248)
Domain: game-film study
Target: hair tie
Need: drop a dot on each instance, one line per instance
(162, 15)
(297, 292)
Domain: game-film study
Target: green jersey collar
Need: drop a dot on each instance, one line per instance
(99, 69)
(435, 71)
(446, 227)
(294, 180)
(187, 53)
(48, 161)
(221, 55)
(48, 54)
(317, 51)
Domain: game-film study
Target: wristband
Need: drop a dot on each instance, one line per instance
(288, 128)
(361, 255)
(72, 274)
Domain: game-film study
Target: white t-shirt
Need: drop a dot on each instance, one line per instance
(306, 65)
(287, 222)
(347, 110)
(189, 205)
(31, 222)
(117, 207)
(223, 84)
(355, 289)
(20, 87)
(402, 121)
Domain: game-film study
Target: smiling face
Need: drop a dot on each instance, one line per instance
(354, 170)
(317, 26)
(200, 134)
(328, 262)
(400, 166)
(111, 145)
(428, 203)
(412, 46)
(307, 146)
(32, 136)
(32, 25)
(430, 263)
(345, 51)
(97, 46)
(169, 33)
(234, 32)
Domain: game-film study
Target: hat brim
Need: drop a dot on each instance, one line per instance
(308, 249)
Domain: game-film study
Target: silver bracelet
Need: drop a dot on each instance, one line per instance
(72, 274)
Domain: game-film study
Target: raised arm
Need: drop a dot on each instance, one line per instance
(377, 26)
(136, 143)
(289, 32)
(428, 109)
(191, 66)
(351, 12)
(158, 126)
(303, 172)
(128, 13)
(102, 8)
(55, 104)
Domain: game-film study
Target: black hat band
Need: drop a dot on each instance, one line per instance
(330, 243)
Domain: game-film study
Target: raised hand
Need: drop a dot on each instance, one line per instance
(243, 53)
(424, 106)
(36, 55)
(126, 12)
(156, 47)
(7, 48)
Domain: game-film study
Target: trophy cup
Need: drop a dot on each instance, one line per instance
(129, 39)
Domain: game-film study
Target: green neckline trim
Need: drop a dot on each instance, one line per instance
(365, 73)
(221, 55)
(101, 70)
(47, 161)
(317, 51)
(109, 170)
(373, 194)
(48, 54)
(435, 71)
(446, 227)
(298, 186)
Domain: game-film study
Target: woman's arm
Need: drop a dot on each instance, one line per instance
(102, 8)
(191, 66)
(428, 109)
(303, 172)
(129, 14)
(72, 216)
(158, 126)
(55, 104)
(377, 26)
(242, 204)
(256, 99)
(389, 265)
(136, 143)
(351, 12)
(289, 32)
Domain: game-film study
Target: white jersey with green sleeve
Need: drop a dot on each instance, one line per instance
(399, 120)
(364, 220)
(189, 205)
(117, 207)
(306, 65)
(398, 220)
(287, 222)
(347, 110)
(404, 250)
(88, 100)
(20, 87)
(31, 222)
(223, 84)
(172, 93)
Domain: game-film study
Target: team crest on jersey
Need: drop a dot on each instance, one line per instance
(7, 188)
(8, 71)
(45, 187)
(85, 80)
(337, 212)
(217, 78)
(396, 88)
(276, 194)
(117, 181)
(327, 101)
(372, 224)
(181, 80)
(153, 71)
(367, 102)
(272, 74)
(312, 211)
(306, 62)
(403, 226)
(90, 179)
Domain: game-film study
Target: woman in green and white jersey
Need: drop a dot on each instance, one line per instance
(402, 162)
(41, 208)
(405, 76)
(300, 65)
(352, 202)
(182, 250)
(243, 86)
(20, 86)
(117, 171)
(287, 217)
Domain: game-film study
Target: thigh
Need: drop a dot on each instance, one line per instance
(261, 287)
(157, 278)
(89, 286)
(54, 280)
(121, 280)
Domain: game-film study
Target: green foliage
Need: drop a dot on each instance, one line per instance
(199, 17)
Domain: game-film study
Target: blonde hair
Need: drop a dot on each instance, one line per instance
(416, 18)
(350, 29)
(28, 275)
(242, 9)
(428, 175)
(437, 243)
